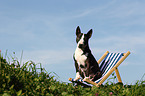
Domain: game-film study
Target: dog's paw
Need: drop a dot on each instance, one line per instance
(86, 78)
(76, 79)
(77, 76)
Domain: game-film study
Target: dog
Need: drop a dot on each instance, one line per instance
(85, 63)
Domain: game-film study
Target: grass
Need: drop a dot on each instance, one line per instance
(31, 79)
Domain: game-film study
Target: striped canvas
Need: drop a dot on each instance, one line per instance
(108, 63)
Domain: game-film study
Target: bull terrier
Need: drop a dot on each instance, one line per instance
(85, 63)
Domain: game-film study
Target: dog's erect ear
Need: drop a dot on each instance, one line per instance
(89, 34)
(78, 31)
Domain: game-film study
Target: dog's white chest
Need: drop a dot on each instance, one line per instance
(80, 58)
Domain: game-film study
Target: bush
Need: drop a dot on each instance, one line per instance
(28, 80)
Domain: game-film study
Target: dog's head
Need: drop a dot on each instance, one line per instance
(82, 39)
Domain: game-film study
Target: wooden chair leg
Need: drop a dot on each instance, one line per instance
(118, 75)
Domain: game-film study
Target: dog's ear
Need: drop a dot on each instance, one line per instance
(78, 31)
(89, 34)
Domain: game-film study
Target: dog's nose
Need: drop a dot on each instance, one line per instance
(81, 42)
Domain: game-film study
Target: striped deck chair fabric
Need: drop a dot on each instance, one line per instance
(108, 63)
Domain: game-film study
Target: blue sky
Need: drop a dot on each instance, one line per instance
(45, 31)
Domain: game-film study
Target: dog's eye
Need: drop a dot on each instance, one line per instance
(78, 37)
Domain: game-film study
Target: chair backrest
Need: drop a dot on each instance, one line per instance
(108, 63)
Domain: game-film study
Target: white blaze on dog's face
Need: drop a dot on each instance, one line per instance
(81, 41)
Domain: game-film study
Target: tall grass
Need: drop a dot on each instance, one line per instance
(31, 79)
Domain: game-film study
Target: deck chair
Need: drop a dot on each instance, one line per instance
(108, 63)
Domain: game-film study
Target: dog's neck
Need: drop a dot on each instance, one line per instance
(84, 48)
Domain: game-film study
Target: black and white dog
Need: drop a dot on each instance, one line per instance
(85, 63)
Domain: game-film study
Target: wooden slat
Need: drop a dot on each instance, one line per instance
(99, 61)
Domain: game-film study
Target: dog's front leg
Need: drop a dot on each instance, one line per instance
(77, 76)
(87, 71)
(77, 71)
(86, 77)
